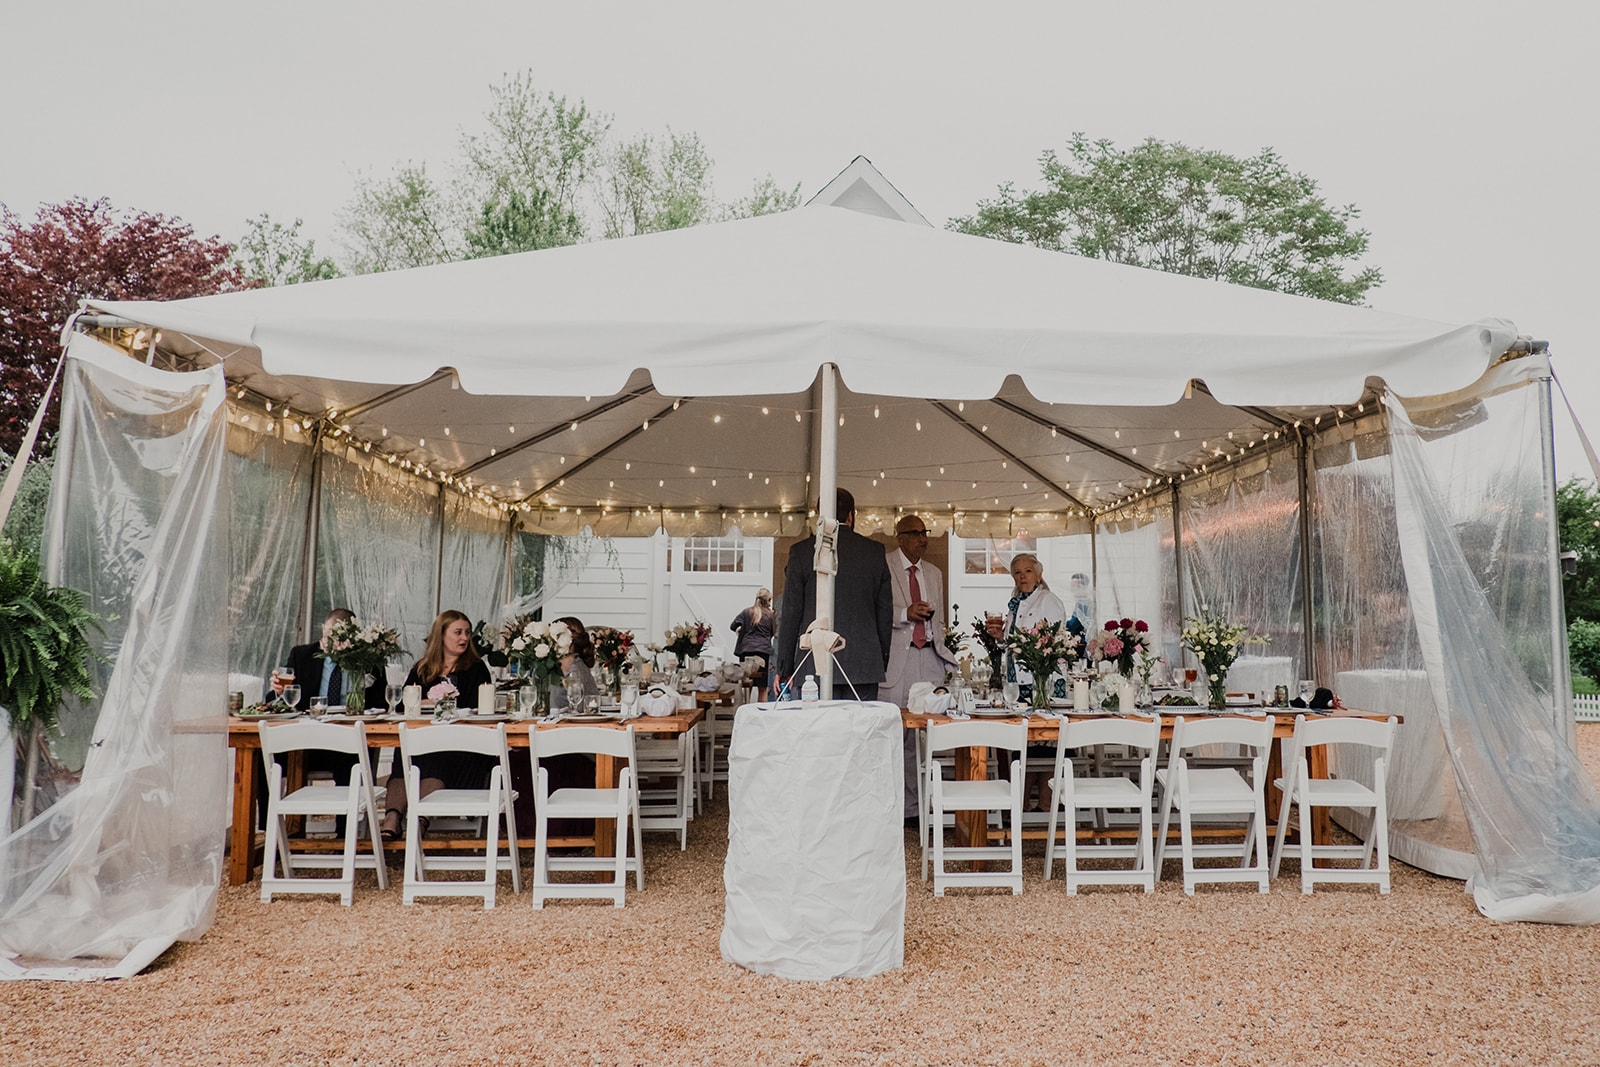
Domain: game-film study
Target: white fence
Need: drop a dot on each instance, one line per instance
(1586, 707)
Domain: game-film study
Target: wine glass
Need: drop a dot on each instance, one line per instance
(1012, 693)
(1190, 674)
(574, 687)
(1308, 689)
(291, 696)
(392, 695)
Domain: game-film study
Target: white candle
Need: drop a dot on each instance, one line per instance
(486, 698)
(1080, 694)
(413, 701)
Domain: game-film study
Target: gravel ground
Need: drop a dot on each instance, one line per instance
(1226, 977)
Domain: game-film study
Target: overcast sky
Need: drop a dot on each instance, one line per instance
(1465, 132)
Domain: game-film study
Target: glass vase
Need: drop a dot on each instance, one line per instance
(1040, 697)
(355, 701)
(1218, 684)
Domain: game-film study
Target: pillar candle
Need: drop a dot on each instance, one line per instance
(486, 698)
(1080, 694)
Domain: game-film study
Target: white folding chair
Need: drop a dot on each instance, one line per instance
(1217, 791)
(351, 801)
(620, 803)
(664, 774)
(1302, 790)
(489, 804)
(988, 795)
(716, 734)
(1100, 795)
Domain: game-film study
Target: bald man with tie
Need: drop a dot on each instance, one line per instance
(916, 646)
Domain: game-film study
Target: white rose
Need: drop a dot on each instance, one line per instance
(541, 650)
(520, 643)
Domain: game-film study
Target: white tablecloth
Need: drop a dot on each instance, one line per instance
(816, 870)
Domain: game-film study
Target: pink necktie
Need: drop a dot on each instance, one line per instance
(919, 632)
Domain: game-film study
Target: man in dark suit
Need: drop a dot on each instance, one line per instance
(320, 677)
(863, 607)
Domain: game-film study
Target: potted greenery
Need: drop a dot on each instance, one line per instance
(45, 651)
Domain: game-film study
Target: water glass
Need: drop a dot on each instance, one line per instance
(392, 695)
(291, 696)
(1308, 689)
(1012, 693)
(527, 701)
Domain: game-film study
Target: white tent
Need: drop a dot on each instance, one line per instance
(702, 379)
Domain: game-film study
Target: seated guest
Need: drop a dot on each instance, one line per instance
(449, 659)
(319, 678)
(573, 770)
(580, 664)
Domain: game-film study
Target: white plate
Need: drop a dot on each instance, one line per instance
(998, 713)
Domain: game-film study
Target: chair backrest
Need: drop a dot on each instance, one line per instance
(1137, 732)
(279, 737)
(943, 736)
(1254, 732)
(600, 740)
(453, 737)
(1344, 730)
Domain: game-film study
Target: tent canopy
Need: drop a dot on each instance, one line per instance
(647, 379)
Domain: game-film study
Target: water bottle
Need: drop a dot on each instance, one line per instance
(808, 692)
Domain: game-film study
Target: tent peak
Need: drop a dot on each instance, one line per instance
(862, 187)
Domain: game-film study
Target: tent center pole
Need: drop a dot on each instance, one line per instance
(827, 488)
(1307, 616)
(308, 550)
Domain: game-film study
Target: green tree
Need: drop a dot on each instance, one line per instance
(1578, 530)
(766, 197)
(404, 220)
(540, 171)
(1187, 211)
(276, 254)
(651, 184)
(25, 525)
(1583, 647)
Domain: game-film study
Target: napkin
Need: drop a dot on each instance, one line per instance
(917, 697)
(658, 701)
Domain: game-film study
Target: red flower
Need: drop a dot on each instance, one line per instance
(1127, 624)
(1113, 625)
(1141, 626)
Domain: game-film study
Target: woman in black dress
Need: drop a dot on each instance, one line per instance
(448, 658)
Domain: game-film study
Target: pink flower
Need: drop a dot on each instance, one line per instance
(442, 689)
(1113, 646)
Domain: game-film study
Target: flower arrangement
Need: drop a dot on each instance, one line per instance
(537, 647)
(611, 650)
(1216, 643)
(359, 651)
(992, 646)
(687, 639)
(1045, 648)
(1122, 641)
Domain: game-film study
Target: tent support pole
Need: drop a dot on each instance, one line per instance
(827, 487)
(308, 550)
(1560, 668)
(1177, 566)
(438, 556)
(1303, 454)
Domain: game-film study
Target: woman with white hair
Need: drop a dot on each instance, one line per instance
(754, 627)
(1031, 602)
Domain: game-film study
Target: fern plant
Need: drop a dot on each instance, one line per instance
(45, 649)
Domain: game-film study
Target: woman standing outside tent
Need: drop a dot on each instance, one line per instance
(754, 627)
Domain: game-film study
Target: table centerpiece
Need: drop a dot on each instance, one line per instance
(537, 648)
(1216, 643)
(612, 647)
(1045, 648)
(359, 651)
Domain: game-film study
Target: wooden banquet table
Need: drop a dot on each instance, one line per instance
(971, 764)
(244, 738)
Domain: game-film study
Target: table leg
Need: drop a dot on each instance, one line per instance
(242, 835)
(1321, 822)
(972, 827)
(607, 771)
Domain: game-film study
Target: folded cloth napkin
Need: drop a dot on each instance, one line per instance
(917, 697)
(658, 701)
(939, 703)
(706, 683)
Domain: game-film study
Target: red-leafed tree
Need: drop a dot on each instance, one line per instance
(80, 249)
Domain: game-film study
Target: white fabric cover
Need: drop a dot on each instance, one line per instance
(816, 873)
